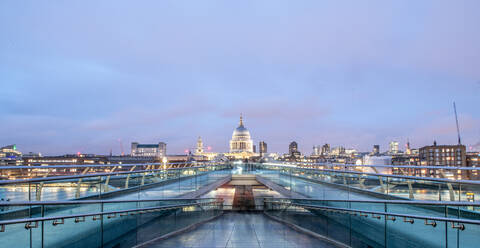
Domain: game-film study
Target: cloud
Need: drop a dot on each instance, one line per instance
(83, 75)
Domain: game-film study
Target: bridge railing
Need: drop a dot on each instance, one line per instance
(103, 185)
(383, 223)
(395, 186)
(448, 172)
(103, 223)
(28, 172)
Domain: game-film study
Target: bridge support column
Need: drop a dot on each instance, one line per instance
(143, 177)
(410, 190)
(108, 180)
(77, 192)
(382, 185)
(38, 195)
(381, 180)
(128, 176)
(450, 190)
(361, 181)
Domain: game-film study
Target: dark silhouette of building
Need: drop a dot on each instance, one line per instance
(376, 150)
(325, 149)
(293, 149)
(262, 147)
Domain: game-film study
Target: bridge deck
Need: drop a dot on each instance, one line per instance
(241, 229)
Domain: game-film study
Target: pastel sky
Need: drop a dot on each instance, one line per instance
(82, 75)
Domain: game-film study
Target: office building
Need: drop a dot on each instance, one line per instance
(393, 147)
(9, 155)
(376, 150)
(339, 150)
(149, 150)
(325, 150)
(262, 147)
(293, 148)
(443, 155)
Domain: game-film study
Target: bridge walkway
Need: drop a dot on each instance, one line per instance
(241, 229)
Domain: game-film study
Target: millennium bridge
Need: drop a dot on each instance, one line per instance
(234, 205)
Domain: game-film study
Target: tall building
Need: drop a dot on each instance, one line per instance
(408, 150)
(376, 150)
(316, 150)
(241, 141)
(199, 149)
(292, 148)
(393, 147)
(339, 150)
(262, 147)
(325, 149)
(149, 150)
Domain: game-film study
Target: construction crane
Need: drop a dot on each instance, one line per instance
(456, 120)
(121, 147)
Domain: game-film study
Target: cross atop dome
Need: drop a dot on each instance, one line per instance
(241, 120)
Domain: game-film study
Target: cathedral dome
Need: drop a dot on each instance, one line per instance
(241, 133)
(241, 141)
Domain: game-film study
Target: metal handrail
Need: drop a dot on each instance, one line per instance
(454, 220)
(39, 203)
(404, 202)
(389, 175)
(29, 220)
(54, 178)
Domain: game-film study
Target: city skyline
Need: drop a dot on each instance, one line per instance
(123, 147)
(78, 77)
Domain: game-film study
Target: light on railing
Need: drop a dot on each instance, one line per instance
(433, 223)
(58, 222)
(29, 225)
(460, 226)
(408, 220)
(80, 219)
(376, 216)
(392, 218)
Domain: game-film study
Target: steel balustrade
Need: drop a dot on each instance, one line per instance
(456, 223)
